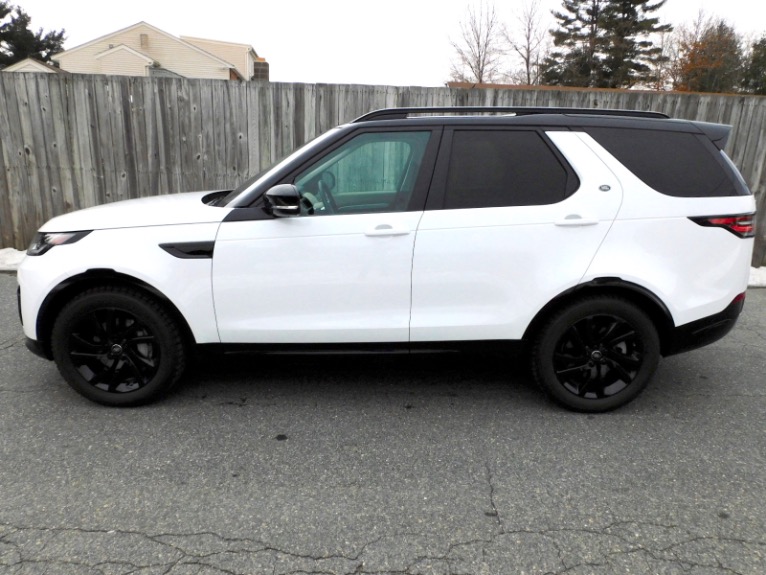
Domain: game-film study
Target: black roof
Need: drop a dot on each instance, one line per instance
(542, 117)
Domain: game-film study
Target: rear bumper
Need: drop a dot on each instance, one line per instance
(704, 331)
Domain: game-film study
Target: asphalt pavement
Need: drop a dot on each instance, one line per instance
(385, 465)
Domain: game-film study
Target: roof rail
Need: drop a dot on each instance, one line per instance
(403, 113)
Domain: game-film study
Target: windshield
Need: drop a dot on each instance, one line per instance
(253, 181)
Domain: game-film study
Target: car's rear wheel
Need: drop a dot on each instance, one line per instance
(596, 354)
(117, 346)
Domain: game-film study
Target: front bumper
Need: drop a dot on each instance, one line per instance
(37, 348)
(33, 345)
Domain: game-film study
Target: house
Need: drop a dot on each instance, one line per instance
(33, 65)
(144, 50)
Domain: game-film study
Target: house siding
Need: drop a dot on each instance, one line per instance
(169, 52)
(240, 55)
(122, 63)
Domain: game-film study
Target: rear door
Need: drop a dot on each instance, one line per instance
(514, 218)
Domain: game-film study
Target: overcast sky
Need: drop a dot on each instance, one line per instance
(390, 42)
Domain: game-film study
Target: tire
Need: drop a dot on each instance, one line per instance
(596, 354)
(117, 346)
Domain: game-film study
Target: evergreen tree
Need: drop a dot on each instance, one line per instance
(18, 41)
(581, 42)
(629, 52)
(604, 43)
(754, 80)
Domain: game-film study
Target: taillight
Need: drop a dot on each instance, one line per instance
(741, 226)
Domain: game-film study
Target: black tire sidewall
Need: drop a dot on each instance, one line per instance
(560, 322)
(145, 310)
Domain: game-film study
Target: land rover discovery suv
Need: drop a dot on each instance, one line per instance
(598, 240)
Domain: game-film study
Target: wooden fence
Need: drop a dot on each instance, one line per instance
(69, 142)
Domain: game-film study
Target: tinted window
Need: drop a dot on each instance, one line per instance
(372, 172)
(496, 168)
(673, 163)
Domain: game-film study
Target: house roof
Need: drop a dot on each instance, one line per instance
(246, 47)
(35, 64)
(105, 37)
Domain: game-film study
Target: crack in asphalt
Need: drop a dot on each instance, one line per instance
(495, 511)
(16, 341)
(209, 552)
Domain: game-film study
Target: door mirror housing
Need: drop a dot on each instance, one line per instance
(282, 201)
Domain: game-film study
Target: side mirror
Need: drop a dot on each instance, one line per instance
(282, 201)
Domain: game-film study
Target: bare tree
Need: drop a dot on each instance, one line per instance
(675, 44)
(479, 50)
(705, 55)
(664, 71)
(528, 41)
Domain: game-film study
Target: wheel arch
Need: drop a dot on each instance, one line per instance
(67, 289)
(611, 286)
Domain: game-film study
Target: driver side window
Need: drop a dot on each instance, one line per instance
(373, 172)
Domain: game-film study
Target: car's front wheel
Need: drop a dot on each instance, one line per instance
(117, 346)
(596, 354)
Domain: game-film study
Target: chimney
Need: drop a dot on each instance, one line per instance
(260, 70)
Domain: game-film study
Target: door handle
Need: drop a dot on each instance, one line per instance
(387, 230)
(576, 220)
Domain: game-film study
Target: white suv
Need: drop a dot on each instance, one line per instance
(598, 239)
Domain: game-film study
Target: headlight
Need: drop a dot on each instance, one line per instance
(43, 241)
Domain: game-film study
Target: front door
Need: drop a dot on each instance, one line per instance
(339, 272)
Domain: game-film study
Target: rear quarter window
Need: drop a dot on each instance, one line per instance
(678, 164)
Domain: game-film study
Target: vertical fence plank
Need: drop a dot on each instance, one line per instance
(253, 127)
(100, 146)
(176, 97)
(150, 152)
(81, 143)
(30, 198)
(128, 176)
(237, 160)
(9, 214)
(140, 149)
(191, 140)
(217, 125)
(167, 94)
(121, 135)
(267, 129)
(207, 137)
(63, 161)
(48, 148)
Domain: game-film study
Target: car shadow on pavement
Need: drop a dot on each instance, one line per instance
(219, 378)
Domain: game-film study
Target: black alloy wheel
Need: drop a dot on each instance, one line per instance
(597, 354)
(117, 346)
(113, 350)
